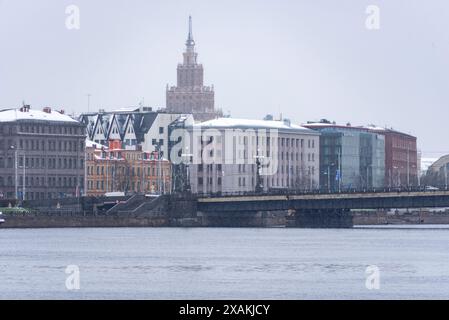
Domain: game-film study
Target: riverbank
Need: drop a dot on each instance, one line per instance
(262, 220)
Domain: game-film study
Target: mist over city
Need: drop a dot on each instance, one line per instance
(224, 156)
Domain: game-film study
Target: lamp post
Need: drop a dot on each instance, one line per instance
(328, 173)
(339, 154)
(445, 173)
(367, 174)
(158, 148)
(417, 175)
(16, 174)
(398, 180)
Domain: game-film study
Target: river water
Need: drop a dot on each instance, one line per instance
(225, 263)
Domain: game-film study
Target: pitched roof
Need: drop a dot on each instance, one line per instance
(141, 122)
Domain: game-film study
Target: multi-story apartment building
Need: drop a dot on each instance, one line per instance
(191, 95)
(437, 175)
(114, 169)
(401, 157)
(238, 155)
(350, 157)
(135, 127)
(41, 154)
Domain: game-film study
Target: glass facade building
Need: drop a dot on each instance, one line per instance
(350, 157)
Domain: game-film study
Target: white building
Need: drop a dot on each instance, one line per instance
(225, 153)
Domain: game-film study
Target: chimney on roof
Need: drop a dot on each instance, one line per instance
(348, 124)
(47, 110)
(62, 111)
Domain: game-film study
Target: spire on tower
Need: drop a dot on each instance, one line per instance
(190, 42)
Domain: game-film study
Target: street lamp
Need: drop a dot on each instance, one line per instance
(398, 180)
(417, 175)
(15, 172)
(158, 148)
(16, 166)
(367, 175)
(328, 174)
(445, 174)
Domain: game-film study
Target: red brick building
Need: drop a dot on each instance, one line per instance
(401, 157)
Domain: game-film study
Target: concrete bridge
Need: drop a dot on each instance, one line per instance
(317, 210)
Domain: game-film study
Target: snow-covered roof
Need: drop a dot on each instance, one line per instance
(11, 115)
(126, 109)
(90, 144)
(325, 125)
(382, 130)
(251, 124)
(375, 128)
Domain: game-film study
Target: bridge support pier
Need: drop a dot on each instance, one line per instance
(320, 218)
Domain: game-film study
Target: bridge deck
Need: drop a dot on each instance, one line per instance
(335, 196)
(384, 200)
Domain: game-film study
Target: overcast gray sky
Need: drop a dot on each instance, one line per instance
(306, 59)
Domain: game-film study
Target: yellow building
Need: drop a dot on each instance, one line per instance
(113, 169)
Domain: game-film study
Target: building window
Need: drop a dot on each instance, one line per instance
(161, 130)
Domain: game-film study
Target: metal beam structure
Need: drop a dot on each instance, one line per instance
(338, 201)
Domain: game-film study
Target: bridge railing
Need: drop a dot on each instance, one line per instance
(318, 191)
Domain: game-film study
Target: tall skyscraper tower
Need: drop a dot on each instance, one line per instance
(190, 95)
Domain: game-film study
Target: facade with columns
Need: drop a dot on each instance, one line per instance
(191, 95)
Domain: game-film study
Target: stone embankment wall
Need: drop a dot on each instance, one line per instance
(412, 217)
